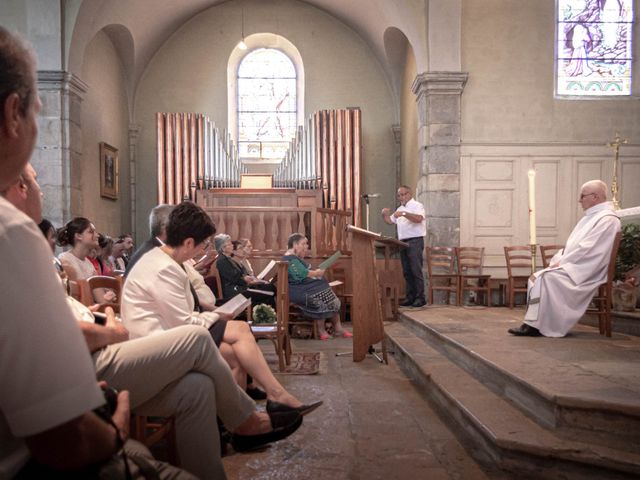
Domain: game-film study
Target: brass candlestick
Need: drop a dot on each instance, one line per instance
(614, 182)
(533, 258)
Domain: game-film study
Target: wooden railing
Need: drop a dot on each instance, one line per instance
(268, 228)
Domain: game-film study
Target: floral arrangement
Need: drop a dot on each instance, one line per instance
(263, 314)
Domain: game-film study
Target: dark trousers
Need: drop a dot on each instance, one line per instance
(412, 259)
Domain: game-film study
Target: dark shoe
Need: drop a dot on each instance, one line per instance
(525, 330)
(406, 303)
(419, 303)
(275, 407)
(283, 423)
(256, 393)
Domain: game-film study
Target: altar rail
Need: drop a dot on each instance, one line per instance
(268, 228)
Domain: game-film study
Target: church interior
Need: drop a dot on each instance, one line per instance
(494, 113)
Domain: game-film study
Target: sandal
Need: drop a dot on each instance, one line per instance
(343, 334)
(324, 336)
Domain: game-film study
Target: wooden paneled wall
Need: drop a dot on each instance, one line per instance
(494, 193)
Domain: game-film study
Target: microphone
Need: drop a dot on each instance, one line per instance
(371, 195)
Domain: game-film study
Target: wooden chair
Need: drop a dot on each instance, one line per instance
(339, 274)
(214, 275)
(470, 260)
(602, 300)
(279, 334)
(441, 270)
(151, 431)
(518, 260)
(87, 286)
(547, 252)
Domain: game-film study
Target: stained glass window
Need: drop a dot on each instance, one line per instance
(266, 104)
(593, 54)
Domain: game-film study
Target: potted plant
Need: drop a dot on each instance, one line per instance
(629, 250)
(263, 314)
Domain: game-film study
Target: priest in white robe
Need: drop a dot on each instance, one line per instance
(559, 295)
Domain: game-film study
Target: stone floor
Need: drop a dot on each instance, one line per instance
(373, 425)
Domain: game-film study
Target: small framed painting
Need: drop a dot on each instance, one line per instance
(108, 171)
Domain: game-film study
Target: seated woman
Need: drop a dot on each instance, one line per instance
(235, 277)
(309, 291)
(100, 256)
(81, 235)
(158, 296)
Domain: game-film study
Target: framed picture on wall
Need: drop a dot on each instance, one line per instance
(108, 171)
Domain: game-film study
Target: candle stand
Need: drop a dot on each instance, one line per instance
(533, 258)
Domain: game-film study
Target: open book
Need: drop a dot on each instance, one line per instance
(331, 260)
(268, 273)
(234, 306)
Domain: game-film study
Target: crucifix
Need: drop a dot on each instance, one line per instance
(614, 183)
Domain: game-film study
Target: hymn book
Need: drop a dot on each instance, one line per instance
(234, 306)
(269, 271)
(330, 261)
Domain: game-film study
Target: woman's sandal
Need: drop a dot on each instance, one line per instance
(324, 336)
(343, 334)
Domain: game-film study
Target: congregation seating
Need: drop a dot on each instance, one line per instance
(279, 333)
(87, 286)
(441, 269)
(518, 259)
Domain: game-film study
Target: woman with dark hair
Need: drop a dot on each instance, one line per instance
(49, 232)
(100, 255)
(309, 291)
(158, 296)
(235, 277)
(81, 235)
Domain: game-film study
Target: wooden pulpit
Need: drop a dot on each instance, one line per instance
(366, 308)
(389, 286)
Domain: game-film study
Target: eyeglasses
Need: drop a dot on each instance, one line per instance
(582, 195)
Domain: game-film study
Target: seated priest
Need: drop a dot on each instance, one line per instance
(158, 296)
(559, 295)
(234, 275)
(309, 291)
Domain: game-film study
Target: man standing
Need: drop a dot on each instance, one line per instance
(412, 228)
(559, 295)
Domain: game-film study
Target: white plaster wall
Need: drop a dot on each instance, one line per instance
(410, 168)
(508, 50)
(105, 118)
(189, 74)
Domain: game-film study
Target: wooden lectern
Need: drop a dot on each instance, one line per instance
(389, 288)
(366, 308)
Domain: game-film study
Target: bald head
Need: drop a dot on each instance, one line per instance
(592, 193)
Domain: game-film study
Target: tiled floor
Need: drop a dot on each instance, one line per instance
(373, 425)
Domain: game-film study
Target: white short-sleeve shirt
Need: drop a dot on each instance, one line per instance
(407, 228)
(47, 376)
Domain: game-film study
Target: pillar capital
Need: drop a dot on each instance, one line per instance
(439, 83)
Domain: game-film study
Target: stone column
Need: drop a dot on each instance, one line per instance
(58, 155)
(438, 96)
(134, 133)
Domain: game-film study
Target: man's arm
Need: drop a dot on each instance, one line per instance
(386, 216)
(83, 441)
(98, 336)
(412, 217)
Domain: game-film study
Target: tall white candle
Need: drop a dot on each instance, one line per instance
(532, 207)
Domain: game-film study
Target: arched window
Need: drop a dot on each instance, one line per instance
(593, 50)
(267, 104)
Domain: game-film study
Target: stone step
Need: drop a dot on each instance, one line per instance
(497, 432)
(606, 419)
